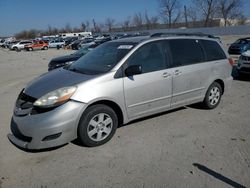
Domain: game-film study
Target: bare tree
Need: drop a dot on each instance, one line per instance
(126, 24)
(208, 9)
(68, 28)
(83, 26)
(138, 20)
(229, 9)
(110, 23)
(96, 27)
(242, 19)
(170, 11)
(147, 20)
(87, 25)
(49, 31)
(154, 21)
(150, 22)
(191, 14)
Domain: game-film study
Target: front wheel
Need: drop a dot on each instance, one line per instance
(213, 96)
(45, 47)
(97, 125)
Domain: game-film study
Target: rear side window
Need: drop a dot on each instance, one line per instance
(213, 50)
(186, 52)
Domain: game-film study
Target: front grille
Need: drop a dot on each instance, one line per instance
(17, 133)
(245, 58)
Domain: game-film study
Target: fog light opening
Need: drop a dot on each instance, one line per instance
(52, 137)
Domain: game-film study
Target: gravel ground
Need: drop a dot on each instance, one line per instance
(187, 147)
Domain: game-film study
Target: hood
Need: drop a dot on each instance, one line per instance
(54, 80)
(64, 59)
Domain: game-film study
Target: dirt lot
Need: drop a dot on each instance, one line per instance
(188, 147)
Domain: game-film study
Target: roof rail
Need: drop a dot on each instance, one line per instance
(199, 34)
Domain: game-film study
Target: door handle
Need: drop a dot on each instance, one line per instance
(166, 75)
(177, 72)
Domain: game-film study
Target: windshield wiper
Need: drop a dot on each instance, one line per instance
(76, 70)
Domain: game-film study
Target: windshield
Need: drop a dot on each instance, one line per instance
(242, 41)
(102, 59)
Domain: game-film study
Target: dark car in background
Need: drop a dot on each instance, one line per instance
(67, 59)
(240, 46)
(69, 40)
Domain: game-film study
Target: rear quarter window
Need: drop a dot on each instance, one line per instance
(213, 50)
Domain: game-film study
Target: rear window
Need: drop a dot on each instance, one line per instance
(213, 50)
(185, 52)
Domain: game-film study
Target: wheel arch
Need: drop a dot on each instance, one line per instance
(222, 84)
(117, 109)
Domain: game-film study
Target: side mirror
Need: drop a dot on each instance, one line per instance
(133, 70)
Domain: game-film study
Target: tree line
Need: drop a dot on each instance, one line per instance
(172, 14)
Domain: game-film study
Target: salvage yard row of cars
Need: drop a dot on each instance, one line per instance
(74, 43)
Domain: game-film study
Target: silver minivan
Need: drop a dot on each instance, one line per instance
(116, 83)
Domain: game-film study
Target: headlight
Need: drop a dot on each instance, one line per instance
(69, 62)
(55, 98)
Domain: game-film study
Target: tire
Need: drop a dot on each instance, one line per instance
(213, 96)
(16, 49)
(97, 125)
(45, 47)
(30, 49)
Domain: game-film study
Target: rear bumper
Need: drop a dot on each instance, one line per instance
(49, 129)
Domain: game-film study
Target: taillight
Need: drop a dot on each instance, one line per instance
(231, 61)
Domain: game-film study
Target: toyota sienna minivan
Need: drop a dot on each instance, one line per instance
(116, 83)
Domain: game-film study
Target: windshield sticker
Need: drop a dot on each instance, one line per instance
(125, 47)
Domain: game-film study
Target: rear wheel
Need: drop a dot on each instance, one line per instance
(30, 49)
(213, 96)
(97, 125)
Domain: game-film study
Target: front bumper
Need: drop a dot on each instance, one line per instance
(244, 67)
(50, 129)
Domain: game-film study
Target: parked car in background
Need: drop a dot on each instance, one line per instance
(2, 41)
(102, 39)
(243, 66)
(240, 46)
(67, 59)
(8, 44)
(86, 42)
(116, 83)
(20, 45)
(37, 45)
(57, 43)
(69, 40)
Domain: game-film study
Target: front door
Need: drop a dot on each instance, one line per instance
(151, 91)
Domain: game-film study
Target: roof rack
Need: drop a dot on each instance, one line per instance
(183, 34)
